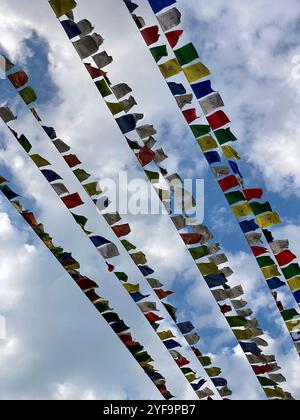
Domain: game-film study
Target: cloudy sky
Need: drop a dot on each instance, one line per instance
(56, 346)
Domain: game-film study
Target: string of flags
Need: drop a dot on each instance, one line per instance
(127, 124)
(255, 218)
(89, 287)
(109, 250)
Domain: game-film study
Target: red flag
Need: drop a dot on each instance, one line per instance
(197, 352)
(285, 257)
(225, 309)
(218, 120)
(254, 193)
(153, 317)
(72, 201)
(280, 306)
(29, 217)
(190, 115)
(128, 341)
(121, 230)
(92, 295)
(173, 37)
(182, 362)
(72, 160)
(85, 283)
(191, 238)
(18, 79)
(110, 267)
(162, 294)
(261, 370)
(151, 35)
(258, 250)
(94, 71)
(145, 156)
(228, 183)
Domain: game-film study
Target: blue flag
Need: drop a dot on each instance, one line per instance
(119, 327)
(71, 28)
(219, 382)
(130, 5)
(50, 175)
(158, 5)
(137, 297)
(177, 88)
(297, 296)
(202, 89)
(145, 270)
(216, 280)
(126, 123)
(212, 157)
(275, 283)
(185, 327)
(235, 168)
(171, 344)
(249, 226)
(250, 348)
(99, 241)
(50, 132)
(8, 192)
(199, 385)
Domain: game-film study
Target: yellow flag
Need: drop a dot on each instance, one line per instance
(241, 210)
(114, 107)
(61, 7)
(274, 393)
(268, 219)
(246, 334)
(230, 153)
(39, 161)
(170, 68)
(208, 269)
(165, 335)
(207, 143)
(195, 72)
(146, 366)
(294, 284)
(191, 377)
(270, 272)
(293, 325)
(132, 288)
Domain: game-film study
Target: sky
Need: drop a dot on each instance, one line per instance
(56, 346)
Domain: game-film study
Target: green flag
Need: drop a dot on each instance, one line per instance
(103, 88)
(81, 220)
(266, 381)
(236, 321)
(200, 130)
(225, 136)
(2, 180)
(153, 176)
(172, 311)
(81, 175)
(265, 261)
(289, 314)
(127, 245)
(24, 142)
(93, 188)
(159, 52)
(186, 54)
(103, 306)
(199, 252)
(259, 208)
(235, 197)
(28, 95)
(121, 276)
(205, 361)
(291, 271)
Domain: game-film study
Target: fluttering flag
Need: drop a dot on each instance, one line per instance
(202, 89)
(120, 90)
(88, 46)
(170, 68)
(215, 280)
(265, 261)
(186, 54)
(163, 294)
(8, 192)
(199, 252)
(154, 283)
(250, 348)
(171, 344)
(195, 72)
(291, 270)
(127, 123)
(50, 175)
(169, 19)
(294, 284)
(228, 183)
(177, 88)
(225, 136)
(218, 259)
(61, 146)
(235, 168)
(241, 210)
(51, 133)
(173, 37)
(103, 88)
(211, 103)
(199, 385)
(145, 156)
(268, 220)
(122, 230)
(148, 307)
(207, 143)
(218, 120)
(5, 63)
(18, 79)
(190, 115)
(279, 246)
(7, 115)
(93, 188)
(81, 174)
(252, 194)
(213, 371)
(102, 59)
(220, 171)
(151, 35)
(185, 327)
(212, 157)
(249, 226)
(192, 338)
(85, 27)
(159, 52)
(39, 161)
(158, 5)
(72, 160)
(73, 200)
(145, 270)
(230, 152)
(234, 197)
(28, 95)
(275, 283)
(62, 7)
(99, 241)
(71, 28)
(259, 208)
(146, 130)
(130, 5)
